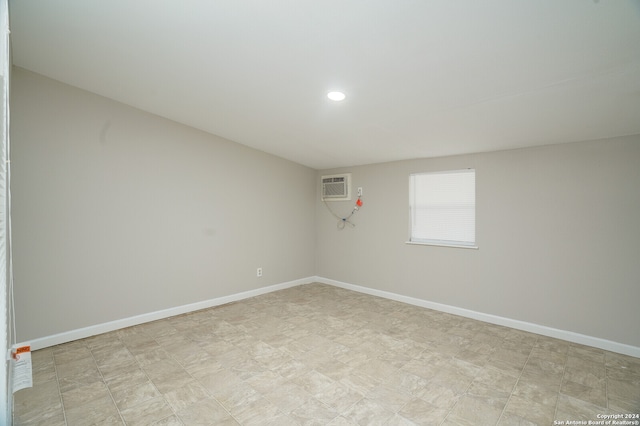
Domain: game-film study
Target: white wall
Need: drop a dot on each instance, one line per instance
(119, 213)
(557, 228)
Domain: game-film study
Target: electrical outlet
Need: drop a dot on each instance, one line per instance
(259, 272)
(359, 191)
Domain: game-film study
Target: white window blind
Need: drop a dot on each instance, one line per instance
(443, 208)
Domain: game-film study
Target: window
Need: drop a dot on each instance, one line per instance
(443, 208)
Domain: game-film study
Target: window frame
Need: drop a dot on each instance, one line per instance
(441, 242)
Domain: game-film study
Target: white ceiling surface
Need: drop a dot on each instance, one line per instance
(423, 78)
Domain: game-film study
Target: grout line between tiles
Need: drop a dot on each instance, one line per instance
(606, 384)
(55, 367)
(564, 371)
(149, 378)
(518, 380)
(106, 386)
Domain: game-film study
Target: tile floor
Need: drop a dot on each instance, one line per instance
(320, 355)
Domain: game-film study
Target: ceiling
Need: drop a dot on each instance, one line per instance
(423, 78)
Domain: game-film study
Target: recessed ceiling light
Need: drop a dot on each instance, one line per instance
(336, 96)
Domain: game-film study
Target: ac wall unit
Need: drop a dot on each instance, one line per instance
(336, 187)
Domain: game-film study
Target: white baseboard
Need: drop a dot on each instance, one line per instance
(93, 330)
(570, 336)
(494, 319)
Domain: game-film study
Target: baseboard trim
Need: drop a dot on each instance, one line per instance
(493, 319)
(81, 333)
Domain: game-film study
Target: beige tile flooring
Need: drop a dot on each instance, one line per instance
(321, 355)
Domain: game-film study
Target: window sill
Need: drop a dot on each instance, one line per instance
(416, 243)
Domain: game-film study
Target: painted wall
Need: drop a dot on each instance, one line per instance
(117, 212)
(557, 228)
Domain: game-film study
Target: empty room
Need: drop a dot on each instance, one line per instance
(320, 213)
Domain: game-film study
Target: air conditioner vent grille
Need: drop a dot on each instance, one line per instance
(336, 187)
